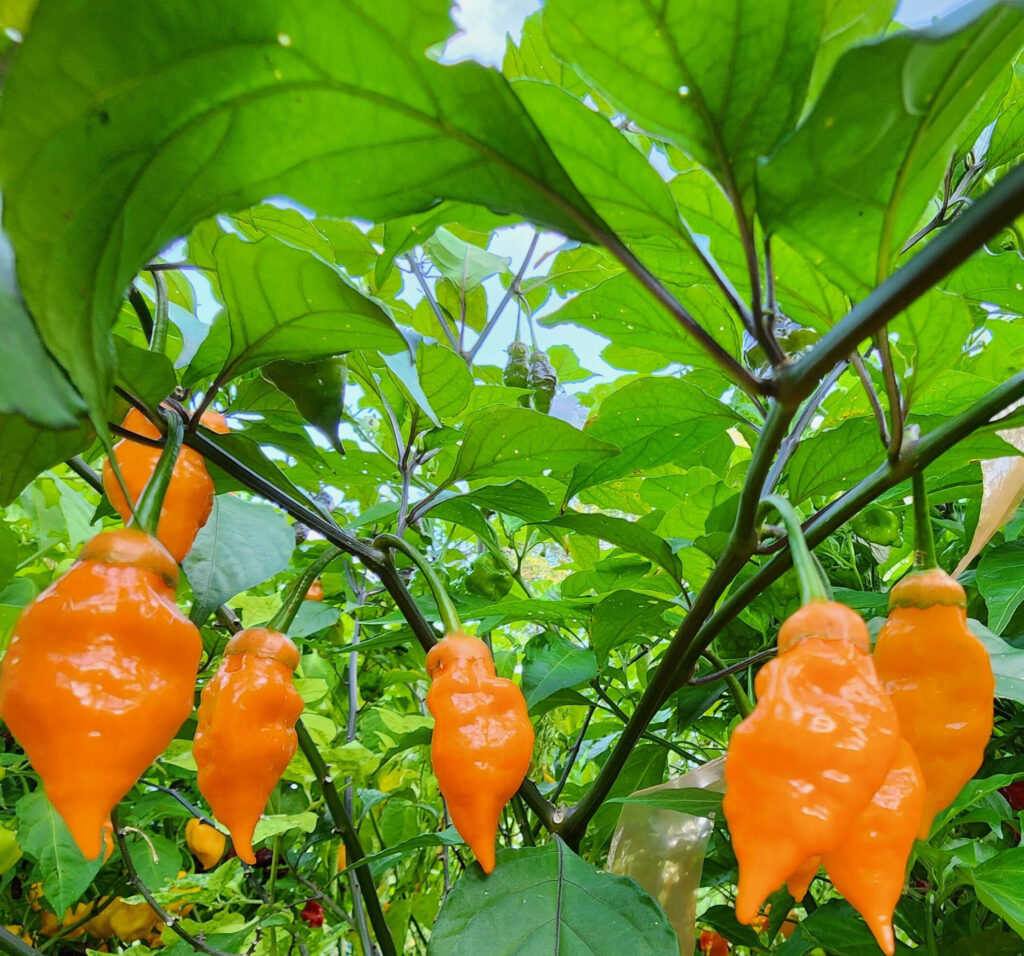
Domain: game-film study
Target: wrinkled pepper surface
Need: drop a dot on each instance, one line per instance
(204, 842)
(99, 676)
(482, 742)
(807, 761)
(246, 730)
(868, 866)
(189, 498)
(939, 677)
(488, 578)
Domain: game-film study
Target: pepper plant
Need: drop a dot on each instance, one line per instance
(785, 235)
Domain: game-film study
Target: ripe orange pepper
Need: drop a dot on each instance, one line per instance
(204, 842)
(939, 677)
(189, 497)
(869, 865)
(482, 742)
(711, 944)
(99, 676)
(807, 761)
(316, 591)
(246, 732)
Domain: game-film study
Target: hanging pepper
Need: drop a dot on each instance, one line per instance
(246, 736)
(543, 380)
(189, 498)
(823, 735)
(204, 842)
(488, 578)
(483, 740)
(869, 865)
(517, 369)
(316, 591)
(317, 389)
(937, 673)
(100, 671)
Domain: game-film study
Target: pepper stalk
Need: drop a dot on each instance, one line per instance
(924, 538)
(297, 590)
(445, 607)
(812, 588)
(147, 509)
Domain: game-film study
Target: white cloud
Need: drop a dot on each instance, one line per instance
(483, 26)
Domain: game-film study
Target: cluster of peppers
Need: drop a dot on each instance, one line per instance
(101, 670)
(532, 369)
(848, 757)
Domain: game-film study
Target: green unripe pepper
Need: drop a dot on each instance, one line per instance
(877, 525)
(317, 389)
(488, 578)
(517, 370)
(543, 380)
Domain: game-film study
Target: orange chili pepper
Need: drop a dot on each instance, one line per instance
(807, 761)
(316, 591)
(246, 732)
(939, 677)
(869, 865)
(189, 497)
(711, 944)
(204, 842)
(99, 677)
(482, 742)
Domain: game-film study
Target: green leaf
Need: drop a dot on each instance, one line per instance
(552, 663)
(837, 929)
(654, 421)
(999, 883)
(283, 303)
(1007, 662)
(724, 81)
(644, 767)
(515, 498)
(849, 187)
(1005, 146)
(723, 920)
(445, 379)
(44, 836)
(692, 800)
(989, 277)
(107, 157)
(27, 450)
(462, 262)
(148, 376)
(835, 459)
(503, 442)
(156, 858)
(386, 859)
(626, 616)
(1001, 582)
(623, 312)
(242, 544)
(543, 900)
(846, 22)
(33, 384)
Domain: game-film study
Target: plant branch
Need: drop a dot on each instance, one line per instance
(510, 292)
(435, 306)
(732, 668)
(353, 848)
(739, 695)
(869, 390)
(998, 208)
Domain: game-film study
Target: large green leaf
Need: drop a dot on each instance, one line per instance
(27, 449)
(653, 421)
(999, 883)
(149, 122)
(552, 663)
(518, 441)
(723, 79)
(1001, 582)
(849, 187)
(242, 544)
(544, 900)
(283, 303)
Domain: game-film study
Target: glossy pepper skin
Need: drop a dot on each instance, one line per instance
(819, 743)
(939, 677)
(869, 865)
(189, 497)
(99, 677)
(246, 731)
(482, 742)
(204, 842)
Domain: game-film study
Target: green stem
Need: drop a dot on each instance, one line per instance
(449, 616)
(272, 885)
(739, 695)
(924, 538)
(353, 848)
(9, 943)
(811, 588)
(147, 509)
(929, 926)
(158, 338)
(297, 590)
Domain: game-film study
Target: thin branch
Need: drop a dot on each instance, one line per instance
(732, 668)
(570, 760)
(869, 390)
(998, 208)
(509, 294)
(173, 921)
(792, 440)
(893, 393)
(91, 475)
(428, 294)
(174, 266)
(353, 847)
(141, 307)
